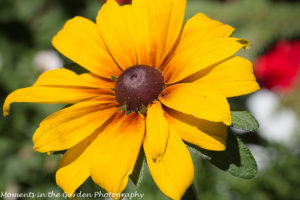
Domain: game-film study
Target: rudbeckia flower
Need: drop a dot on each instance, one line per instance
(172, 83)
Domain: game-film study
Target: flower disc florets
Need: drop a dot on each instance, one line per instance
(138, 86)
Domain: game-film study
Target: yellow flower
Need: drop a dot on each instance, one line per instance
(182, 74)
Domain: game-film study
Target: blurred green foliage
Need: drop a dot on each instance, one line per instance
(27, 26)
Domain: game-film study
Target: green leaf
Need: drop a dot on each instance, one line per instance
(244, 120)
(191, 193)
(114, 78)
(143, 110)
(59, 152)
(124, 108)
(137, 173)
(76, 68)
(236, 159)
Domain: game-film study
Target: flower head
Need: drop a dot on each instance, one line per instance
(279, 68)
(172, 83)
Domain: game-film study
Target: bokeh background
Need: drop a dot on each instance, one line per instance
(272, 27)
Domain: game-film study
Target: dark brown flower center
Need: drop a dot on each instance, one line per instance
(138, 86)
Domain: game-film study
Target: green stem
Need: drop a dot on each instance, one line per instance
(190, 194)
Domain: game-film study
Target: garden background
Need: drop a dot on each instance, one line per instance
(26, 30)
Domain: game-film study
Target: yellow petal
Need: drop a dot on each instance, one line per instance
(157, 131)
(74, 167)
(204, 134)
(115, 24)
(199, 56)
(197, 100)
(117, 149)
(144, 31)
(50, 95)
(65, 77)
(233, 77)
(165, 22)
(201, 28)
(175, 172)
(203, 42)
(67, 127)
(197, 30)
(79, 41)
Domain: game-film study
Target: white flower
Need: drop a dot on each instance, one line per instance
(277, 124)
(47, 60)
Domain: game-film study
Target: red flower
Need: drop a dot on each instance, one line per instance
(279, 68)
